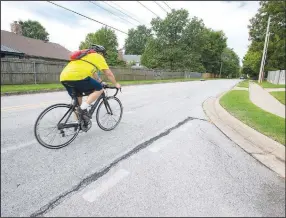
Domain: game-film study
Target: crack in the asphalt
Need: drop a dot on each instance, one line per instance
(95, 176)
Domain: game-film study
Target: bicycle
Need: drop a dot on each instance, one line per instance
(63, 128)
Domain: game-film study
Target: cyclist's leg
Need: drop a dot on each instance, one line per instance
(69, 90)
(89, 85)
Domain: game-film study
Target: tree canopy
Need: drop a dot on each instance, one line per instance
(33, 29)
(136, 40)
(107, 38)
(275, 58)
(181, 43)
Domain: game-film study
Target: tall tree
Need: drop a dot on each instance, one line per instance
(194, 39)
(276, 49)
(214, 45)
(137, 40)
(33, 29)
(104, 36)
(181, 43)
(107, 38)
(230, 63)
(168, 40)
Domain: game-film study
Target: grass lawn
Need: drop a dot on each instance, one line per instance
(37, 87)
(280, 96)
(237, 103)
(266, 84)
(244, 84)
(31, 87)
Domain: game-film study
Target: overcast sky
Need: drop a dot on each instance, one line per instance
(69, 29)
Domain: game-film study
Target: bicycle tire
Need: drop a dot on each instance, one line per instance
(103, 105)
(41, 142)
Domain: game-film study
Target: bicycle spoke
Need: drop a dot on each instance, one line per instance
(47, 128)
(105, 119)
(53, 138)
(113, 119)
(50, 132)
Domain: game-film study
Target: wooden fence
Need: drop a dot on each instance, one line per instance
(20, 71)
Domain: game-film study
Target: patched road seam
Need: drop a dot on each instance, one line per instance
(95, 176)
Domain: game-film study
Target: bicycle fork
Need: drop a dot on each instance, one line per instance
(107, 106)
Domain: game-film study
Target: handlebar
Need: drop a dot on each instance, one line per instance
(105, 86)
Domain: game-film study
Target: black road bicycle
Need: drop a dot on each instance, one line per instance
(68, 122)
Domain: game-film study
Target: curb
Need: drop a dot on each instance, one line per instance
(264, 149)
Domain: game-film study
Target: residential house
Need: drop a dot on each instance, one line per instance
(15, 45)
(10, 52)
(136, 59)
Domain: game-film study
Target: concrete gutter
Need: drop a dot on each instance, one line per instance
(262, 148)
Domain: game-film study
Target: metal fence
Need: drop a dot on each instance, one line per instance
(276, 77)
(17, 71)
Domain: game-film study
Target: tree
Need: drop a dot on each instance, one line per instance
(276, 49)
(107, 38)
(104, 36)
(230, 63)
(166, 50)
(136, 40)
(251, 63)
(33, 29)
(184, 44)
(193, 39)
(213, 47)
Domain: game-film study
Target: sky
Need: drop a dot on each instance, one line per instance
(69, 29)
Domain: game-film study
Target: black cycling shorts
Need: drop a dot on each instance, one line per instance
(82, 87)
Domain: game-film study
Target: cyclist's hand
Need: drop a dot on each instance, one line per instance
(118, 85)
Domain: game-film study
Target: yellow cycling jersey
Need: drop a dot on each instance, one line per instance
(79, 69)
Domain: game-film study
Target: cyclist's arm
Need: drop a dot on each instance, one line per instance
(96, 77)
(108, 73)
(103, 67)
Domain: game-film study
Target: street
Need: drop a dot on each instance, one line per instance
(164, 159)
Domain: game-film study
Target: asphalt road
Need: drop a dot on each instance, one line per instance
(163, 159)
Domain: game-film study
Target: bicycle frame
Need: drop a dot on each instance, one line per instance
(76, 104)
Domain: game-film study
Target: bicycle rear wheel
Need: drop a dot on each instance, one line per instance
(47, 131)
(109, 113)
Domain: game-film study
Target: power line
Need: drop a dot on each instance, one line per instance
(110, 12)
(147, 8)
(167, 5)
(87, 17)
(122, 12)
(160, 6)
(125, 11)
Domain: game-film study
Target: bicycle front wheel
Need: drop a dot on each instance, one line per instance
(109, 113)
(57, 126)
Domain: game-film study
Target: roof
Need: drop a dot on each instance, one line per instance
(33, 47)
(130, 58)
(10, 50)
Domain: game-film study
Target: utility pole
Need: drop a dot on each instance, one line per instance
(261, 74)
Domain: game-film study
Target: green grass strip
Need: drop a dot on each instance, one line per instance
(237, 103)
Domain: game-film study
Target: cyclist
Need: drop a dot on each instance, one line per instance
(82, 74)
